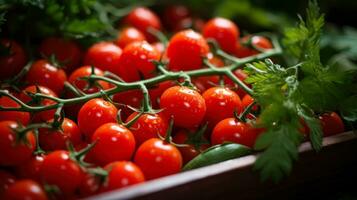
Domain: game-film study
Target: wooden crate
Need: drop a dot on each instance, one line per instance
(235, 179)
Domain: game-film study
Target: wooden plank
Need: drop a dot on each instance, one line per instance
(235, 178)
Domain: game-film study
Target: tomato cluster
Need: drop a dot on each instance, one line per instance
(89, 149)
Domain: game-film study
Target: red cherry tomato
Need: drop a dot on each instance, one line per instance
(185, 105)
(115, 137)
(186, 50)
(221, 103)
(224, 31)
(331, 124)
(131, 98)
(22, 117)
(103, 55)
(257, 41)
(12, 63)
(174, 14)
(67, 52)
(89, 186)
(129, 35)
(156, 92)
(122, 174)
(95, 113)
(157, 158)
(31, 169)
(142, 18)
(43, 115)
(6, 179)
(25, 189)
(148, 126)
(136, 61)
(44, 73)
(232, 130)
(13, 152)
(247, 100)
(160, 47)
(60, 170)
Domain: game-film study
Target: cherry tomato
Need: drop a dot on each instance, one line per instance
(131, 98)
(221, 103)
(160, 47)
(89, 186)
(44, 73)
(257, 41)
(31, 169)
(232, 130)
(43, 115)
(25, 189)
(156, 92)
(247, 100)
(148, 126)
(175, 14)
(60, 170)
(331, 124)
(136, 61)
(129, 35)
(13, 152)
(115, 137)
(6, 179)
(95, 113)
(187, 106)
(122, 174)
(67, 52)
(186, 50)
(12, 63)
(224, 31)
(103, 55)
(56, 139)
(22, 117)
(157, 158)
(142, 18)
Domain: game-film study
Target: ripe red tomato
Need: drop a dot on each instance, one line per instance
(115, 137)
(160, 47)
(95, 113)
(187, 106)
(13, 152)
(52, 139)
(103, 55)
(142, 18)
(31, 169)
(22, 117)
(43, 115)
(186, 50)
(148, 126)
(175, 14)
(67, 52)
(157, 158)
(60, 170)
(25, 189)
(221, 103)
(232, 130)
(156, 92)
(129, 35)
(44, 73)
(89, 186)
(122, 174)
(331, 124)
(224, 31)
(12, 63)
(131, 98)
(247, 100)
(6, 179)
(136, 61)
(258, 41)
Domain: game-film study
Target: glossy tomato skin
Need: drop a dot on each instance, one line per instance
(95, 113)
(44, 73)
(22, 117)
(13, 153)
(221, 103)
(122, 174)
(257, 41)
(186, 50)
(25, 189)
(6, 179)
(148, 126)
(223, 31)
(31, 169)
(331, 124)
(60, 170)
(131, 98)
(13, 63)
(136, 61)
(157, 158)
(129, 35)
(232, 130)
(143, 18)
(247, 100)
(114, 143)
(185, 105)
(52, 139)
(103, 55)
(67, 52)
(156, 92)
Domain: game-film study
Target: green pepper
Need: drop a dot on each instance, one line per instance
(216, 154)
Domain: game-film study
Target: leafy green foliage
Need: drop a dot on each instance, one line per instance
(348, 108)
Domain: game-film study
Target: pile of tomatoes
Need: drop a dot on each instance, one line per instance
(86, 150)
